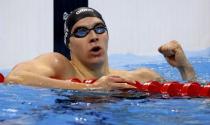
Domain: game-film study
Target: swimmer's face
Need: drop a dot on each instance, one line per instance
(91, 48)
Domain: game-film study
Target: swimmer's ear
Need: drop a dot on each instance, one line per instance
(69, 46)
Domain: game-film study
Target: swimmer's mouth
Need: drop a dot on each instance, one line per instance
(95, 49)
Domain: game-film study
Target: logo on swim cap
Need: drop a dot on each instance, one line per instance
(83, 10)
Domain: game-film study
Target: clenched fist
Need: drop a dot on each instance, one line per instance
(175, 56)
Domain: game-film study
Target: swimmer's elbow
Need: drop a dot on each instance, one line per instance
(14, 77)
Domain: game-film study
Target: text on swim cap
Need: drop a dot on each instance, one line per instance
(83, 10)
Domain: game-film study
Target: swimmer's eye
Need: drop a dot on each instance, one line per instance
(99, 29)
(81, 32)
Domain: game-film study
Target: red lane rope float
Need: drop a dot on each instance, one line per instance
(175, 89)
(172, 89)
(75, 80)
(86, 81)
(1, 78)
(89, 81)
(152, 87)
(205, 91)
(191, 89)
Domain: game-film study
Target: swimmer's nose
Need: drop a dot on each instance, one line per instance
(93, 36)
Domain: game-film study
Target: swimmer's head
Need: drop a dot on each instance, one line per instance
(75, 16)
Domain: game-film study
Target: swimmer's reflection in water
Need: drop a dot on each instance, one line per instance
(86, 36)
(99, 97)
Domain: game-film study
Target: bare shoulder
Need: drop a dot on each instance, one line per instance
(146, 74)
(48, 64)
(141, 74)
(145, 71)
(56, 61)
(52, 57)
(122, 73)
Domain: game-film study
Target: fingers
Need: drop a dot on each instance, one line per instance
(115, 79)
(120, 83)
(118, 79)
(170, 53)
(160, 49)
(114, 82)
(170, 48)
(171, 60)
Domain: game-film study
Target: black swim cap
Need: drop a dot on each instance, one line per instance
(76, 15)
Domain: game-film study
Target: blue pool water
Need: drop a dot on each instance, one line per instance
(24, 105)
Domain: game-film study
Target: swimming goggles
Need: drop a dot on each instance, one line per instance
(82, 31)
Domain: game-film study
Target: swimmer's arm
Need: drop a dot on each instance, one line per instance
(141, 75)
(48, 65)
(103, 83)
(32, 79)
(146, 74)
(175, 56)
(42, 72)
(187, 72)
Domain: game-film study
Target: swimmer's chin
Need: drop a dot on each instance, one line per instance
(98, 60)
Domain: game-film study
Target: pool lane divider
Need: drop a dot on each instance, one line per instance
(170, 89)
(175, 89)
(1, 78)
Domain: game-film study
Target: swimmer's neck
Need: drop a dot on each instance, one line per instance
(88, 71)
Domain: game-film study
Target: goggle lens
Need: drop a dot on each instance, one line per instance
(83, 31)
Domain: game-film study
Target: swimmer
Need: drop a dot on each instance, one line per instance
(86, 36)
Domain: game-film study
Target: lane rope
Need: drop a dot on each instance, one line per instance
(171, 89)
